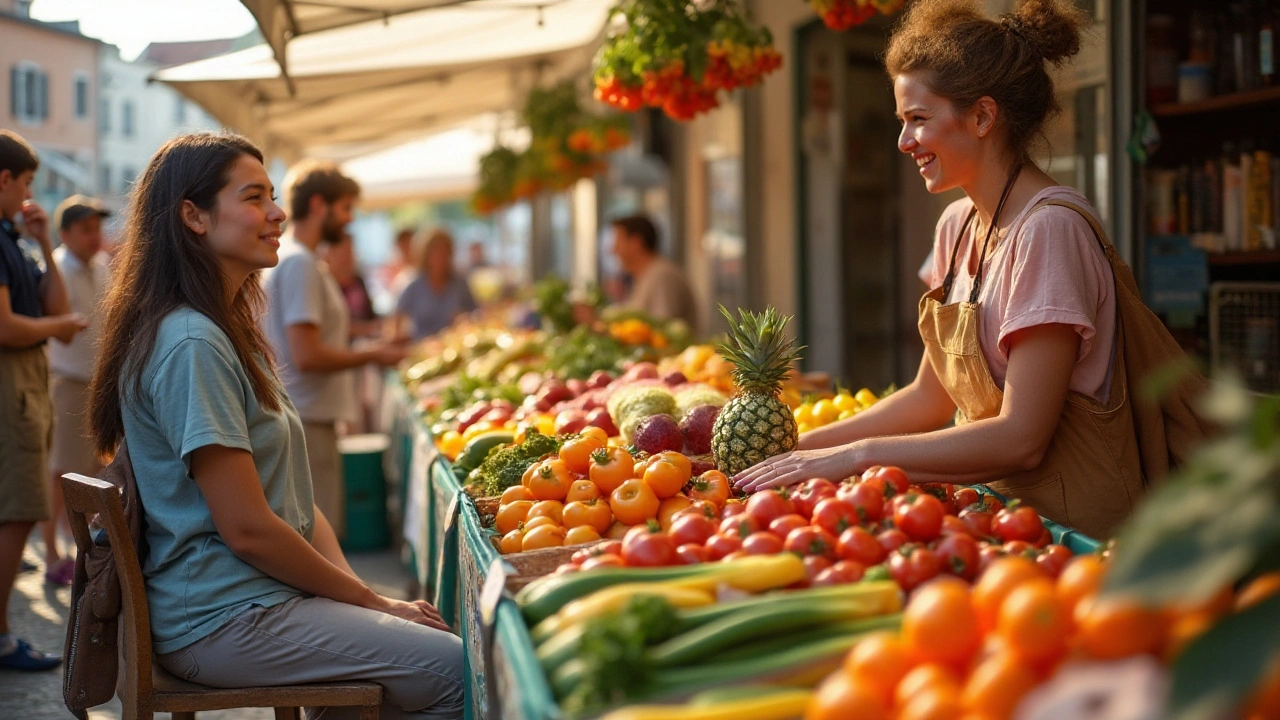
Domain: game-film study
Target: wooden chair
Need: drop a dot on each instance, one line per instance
(143, 686)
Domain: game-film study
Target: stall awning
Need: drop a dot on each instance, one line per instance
(380, 82)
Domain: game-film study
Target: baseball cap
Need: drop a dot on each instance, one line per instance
(77, 208)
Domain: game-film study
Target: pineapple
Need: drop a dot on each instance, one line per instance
(755, 425)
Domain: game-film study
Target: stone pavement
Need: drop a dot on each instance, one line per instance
(39, 613)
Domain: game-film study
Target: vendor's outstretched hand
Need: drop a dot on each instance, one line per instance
(795, 467)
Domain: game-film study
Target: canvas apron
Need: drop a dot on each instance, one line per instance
(1090, 476)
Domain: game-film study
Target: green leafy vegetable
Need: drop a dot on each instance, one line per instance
(505, 465)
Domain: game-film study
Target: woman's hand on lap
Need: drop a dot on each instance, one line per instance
(418, 611)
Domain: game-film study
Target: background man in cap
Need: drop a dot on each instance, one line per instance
(85, 274)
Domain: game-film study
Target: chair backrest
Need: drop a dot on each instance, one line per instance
(86, 497)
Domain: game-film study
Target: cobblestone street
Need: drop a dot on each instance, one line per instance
(39, 613)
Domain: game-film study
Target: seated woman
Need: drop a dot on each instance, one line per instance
(245, 580)
(436, 297)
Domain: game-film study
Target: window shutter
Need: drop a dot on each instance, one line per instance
(42, 104)
(14, 77)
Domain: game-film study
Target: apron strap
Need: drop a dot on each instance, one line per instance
(955, 250)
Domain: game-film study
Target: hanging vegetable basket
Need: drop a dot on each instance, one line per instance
(680, 56)
(843, 14)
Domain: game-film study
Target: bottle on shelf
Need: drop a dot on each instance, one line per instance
(1266, 44)
(1232, 226)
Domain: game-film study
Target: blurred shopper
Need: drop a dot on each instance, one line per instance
(658, 286)
(309, 326)
(33, 308)
(246, 583)
(437, 296)
(340, 256)
(85, 273)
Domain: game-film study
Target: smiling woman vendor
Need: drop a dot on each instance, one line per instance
(1021, 330)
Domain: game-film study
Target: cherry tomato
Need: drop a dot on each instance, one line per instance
(642, 547)
(952, 525)
(965, 496)
(912, 566)
(762, 543)
(1053, 559)
(720, 546)
(602, 561)
(835, 516)
(691, 528)
(879, 486)
(813, 566)
(867, 499)
(941, 491)
(987, 554)
(920, 517)
(1045, 538)
(609, 547)
(692, 555)
(784, 525)
(767, 505)
(893, 477)
(979, 521)
(732, 509)
(1017, 523)
(959, 555)
(808, 541)
(1018, 547)
(858, 545)
(808, 493)
(892, 539)
(702, 508)
(742, 525)
(841, 573)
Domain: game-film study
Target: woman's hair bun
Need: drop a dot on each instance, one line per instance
(1053, 27)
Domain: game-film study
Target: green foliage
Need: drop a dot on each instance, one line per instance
(760, 352)
(505, 465)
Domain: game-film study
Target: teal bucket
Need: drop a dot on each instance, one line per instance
(366, 491)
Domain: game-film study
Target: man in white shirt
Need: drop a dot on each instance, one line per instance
(86, 275)
(308, 325)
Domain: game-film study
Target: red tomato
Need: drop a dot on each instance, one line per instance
(602, 561)
(1045, 538)
(784, 525)
(1017, 523)
(892, 539)
(878, 485)
(808, 493)
(1053, 559)
(609, 547)
(762, 543)
(952, 525)
(813, 566)
(732, 509)
(691, 529)
(988, 554)
(742, 526)
(704, 508)
(959, 554)
(843, 572)
(692, 555)
(583, 555)
(807, 541)
(835, 516)
(867, 499)
(966, 496)
(941, 491)
(721, 545)
(768, 505)
(913, 566)
(893, 477)
(1018, 547)
(642, 547)
(920, 517)
(858, 545)
(979, 521)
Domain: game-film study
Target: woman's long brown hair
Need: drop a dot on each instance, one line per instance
(163, 266)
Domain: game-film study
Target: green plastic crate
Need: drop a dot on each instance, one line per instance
(365, 491)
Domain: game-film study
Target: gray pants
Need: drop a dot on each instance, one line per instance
(311, 639)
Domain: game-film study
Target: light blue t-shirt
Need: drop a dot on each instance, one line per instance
(195, 393)
(430, 310)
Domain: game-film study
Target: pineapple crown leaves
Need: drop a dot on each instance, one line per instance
(761, 354)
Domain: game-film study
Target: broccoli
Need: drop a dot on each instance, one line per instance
(504, 466)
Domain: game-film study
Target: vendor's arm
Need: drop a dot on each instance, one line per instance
(20, 331)
(325, 541)
(310, 354)
(1041, 360)
(922, 406)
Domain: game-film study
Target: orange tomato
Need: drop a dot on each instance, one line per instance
(668, 508)
(1034, 624)
(712, 486)
(664, 478)
(514, 493)
(546, 536)
(940, 625)
(1258, 589)
(839, 694)
(511, 515)
(1000, 578)
(633, 502)
(679, 460)
(553, 509)
(581, 535)
(540, 521)
(997, 685)
(582, 490)
(641, 466)
(925, 677)
(512, 541)
(590, 513)
(1082, 576)
(617, 530)
(1108, 627)
(551, 481)
(576, 453)
(932, 704)
(610, 468)
(882, 660)
(592, 431)
(527, 477)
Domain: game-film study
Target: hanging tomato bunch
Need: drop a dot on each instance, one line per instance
(679, 56)
(843, 14)
(567, 144)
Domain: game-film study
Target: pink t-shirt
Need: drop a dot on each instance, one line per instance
(1046, 269)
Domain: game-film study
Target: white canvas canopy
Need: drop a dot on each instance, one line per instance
(380, 82)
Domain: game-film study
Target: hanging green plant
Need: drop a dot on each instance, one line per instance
(497, 180)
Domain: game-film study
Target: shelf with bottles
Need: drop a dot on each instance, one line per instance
(1231, 101)
(1244, 257)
